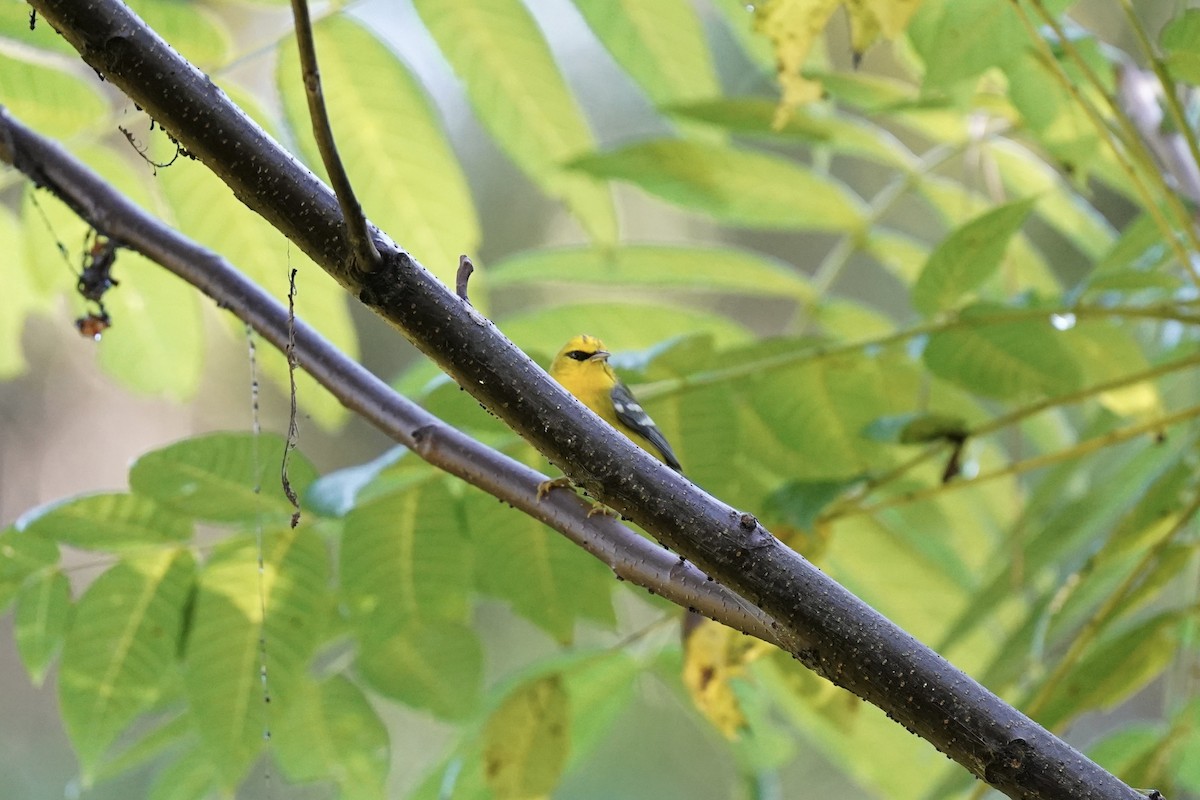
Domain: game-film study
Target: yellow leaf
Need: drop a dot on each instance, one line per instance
(794, 25)
(713, 657)
(526, 740)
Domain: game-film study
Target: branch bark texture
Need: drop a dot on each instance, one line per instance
(819, 622)
(630, 556)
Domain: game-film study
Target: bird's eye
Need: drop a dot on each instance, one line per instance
(579, 355)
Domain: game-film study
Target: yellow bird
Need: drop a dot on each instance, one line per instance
(582, 368)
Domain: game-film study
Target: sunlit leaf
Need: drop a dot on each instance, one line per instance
(405, 557)
(688, 268)
(811, 125)
(1003, 358)
(736, 187)
(226, 679)
(396, 154)
(966, 258)
(521, 98)
(111, 522)
(206, 210)
(118, 658)
(959, 39)
(223, 477)
(660, 43)
(49, 100)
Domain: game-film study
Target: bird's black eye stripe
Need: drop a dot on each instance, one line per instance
(579, 355)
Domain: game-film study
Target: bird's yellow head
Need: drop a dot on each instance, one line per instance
(582, 356)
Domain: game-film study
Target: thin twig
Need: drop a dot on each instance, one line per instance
(357, 231)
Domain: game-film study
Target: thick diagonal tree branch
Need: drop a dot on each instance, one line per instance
(822, 624)
(630, 556)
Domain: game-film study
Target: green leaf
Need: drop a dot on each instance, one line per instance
(1116, 668)
(396, 153)
(205, 209)
(118, 658)
(959, 39)
(165, 733)
(405, 557)
(52, 102)
(660, 43)
(749, 116)
(547, 579)
(155, 345)
(515, 87)
(228, 638)
(222, 477)
(736, 187)
(1180, 38)
(190, 777)
(797, 504)
(817, 410)
(1003, 358)
(111, 522)
(329, 731)
(526, 739)
(193, 30)
(19, 298)
(436, 666)
(968, 257)
(21, 556)
(704, 269)
(43, 609)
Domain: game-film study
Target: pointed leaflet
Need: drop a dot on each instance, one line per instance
(222, 661)
(706, 269)
(1115, 668)
(548, 580)
(737, 187)
(51, 101)
(1003, 358)
(968, 256)
(519, 95)
(43, 608)
(660, 43)
(111, 522)
(817, 409)
(214, 477)
(205, 209)
(119, 655)
(396, 153)
(526, 739)
(330, 732)
(812, 125)
(21, 556)
(404, 556)
(436, 666)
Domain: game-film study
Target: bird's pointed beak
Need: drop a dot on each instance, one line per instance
(599, 355)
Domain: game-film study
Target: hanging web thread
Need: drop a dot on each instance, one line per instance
(256, 429)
